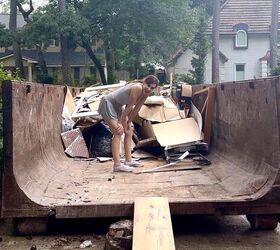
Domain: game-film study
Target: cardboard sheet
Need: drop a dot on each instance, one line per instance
(69, 101)
(94, 105)
(160, 113)
(186, 90)
(177, 132)
(154, 100)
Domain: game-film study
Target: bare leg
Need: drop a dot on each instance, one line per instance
(116, 142)
(127, 144)
(117, 131)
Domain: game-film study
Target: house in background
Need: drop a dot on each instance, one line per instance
(82, 66)
(244, 43)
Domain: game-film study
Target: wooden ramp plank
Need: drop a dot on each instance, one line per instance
(152, 229)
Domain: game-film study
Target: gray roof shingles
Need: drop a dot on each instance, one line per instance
(5, 19)
(54, 58)
(255, 13)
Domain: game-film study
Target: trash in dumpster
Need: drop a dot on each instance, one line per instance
(166, 126)
(74, 143)
(177, 132)
(99, 140)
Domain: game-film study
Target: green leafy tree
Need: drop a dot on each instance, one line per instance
(135, 32)
(200, 48)
(6, 37)
(154, 30)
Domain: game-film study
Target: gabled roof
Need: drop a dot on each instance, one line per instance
(255, 13)
(5, 20)
(52, 58)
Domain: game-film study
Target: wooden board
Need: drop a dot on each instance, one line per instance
(152, 227)
(177, 132)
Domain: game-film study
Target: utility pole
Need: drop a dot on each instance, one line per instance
(273, 33)
(66, 69)
(215, 42)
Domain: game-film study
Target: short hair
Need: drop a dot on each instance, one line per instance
(151, 79)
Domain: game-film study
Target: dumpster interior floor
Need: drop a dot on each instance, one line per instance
(95, 183)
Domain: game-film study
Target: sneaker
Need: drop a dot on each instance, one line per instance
(123, 168)
(133, 163)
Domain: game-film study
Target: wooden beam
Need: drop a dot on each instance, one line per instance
(152, 229)
(209, 115)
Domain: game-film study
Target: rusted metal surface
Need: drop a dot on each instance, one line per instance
(39, 180)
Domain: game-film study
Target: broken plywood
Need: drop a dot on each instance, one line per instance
(177, 132)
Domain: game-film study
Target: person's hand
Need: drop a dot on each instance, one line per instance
(128, 128)
(119, 129)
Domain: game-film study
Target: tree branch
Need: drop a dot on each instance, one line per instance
(24, 13)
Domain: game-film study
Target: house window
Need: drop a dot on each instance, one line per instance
(278, 37)
(53, 43)
(241, 39)
(239, 72)
(77, 74)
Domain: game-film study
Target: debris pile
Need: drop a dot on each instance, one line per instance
(168, 125)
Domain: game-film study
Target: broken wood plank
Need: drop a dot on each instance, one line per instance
(170, 168)
(152, 228)
(209, 112)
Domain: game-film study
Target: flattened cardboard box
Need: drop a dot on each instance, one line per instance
(177, 132)
(160, 112)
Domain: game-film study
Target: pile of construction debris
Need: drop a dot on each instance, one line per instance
(168, 125)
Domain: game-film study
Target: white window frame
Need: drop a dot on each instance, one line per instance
(245, 45)
(235, 71)
(278, 37)
(52, 43)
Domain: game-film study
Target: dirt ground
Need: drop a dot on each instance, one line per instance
(191, 232)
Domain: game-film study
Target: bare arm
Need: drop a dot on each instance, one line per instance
(135, 93)
(137, 107)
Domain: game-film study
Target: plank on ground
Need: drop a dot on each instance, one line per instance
(152, 228)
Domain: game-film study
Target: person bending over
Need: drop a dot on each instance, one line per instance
(132, 96)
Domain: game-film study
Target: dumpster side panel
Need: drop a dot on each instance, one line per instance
(32, 145)
(246, 122)
(245, 136)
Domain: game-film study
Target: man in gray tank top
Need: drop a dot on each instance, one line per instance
(132, 96)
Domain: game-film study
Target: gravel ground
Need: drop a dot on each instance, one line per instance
(192, 232)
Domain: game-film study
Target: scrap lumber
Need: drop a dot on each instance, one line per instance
(207, 110)
(184, 155)
(170, 167)
(152, 229)
(209, 114)
(103, 87)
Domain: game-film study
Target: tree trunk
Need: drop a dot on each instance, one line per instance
(109, 62)
(41, 61)
(66, 68)
(273, 34)
(97, 63)
(16, 46)
(215, 42)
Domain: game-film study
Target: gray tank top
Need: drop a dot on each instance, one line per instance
(120, 96)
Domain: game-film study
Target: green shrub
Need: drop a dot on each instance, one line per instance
(45, 78)
(89, 80)
(275, 71)
(5, 75)
(187, 78)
